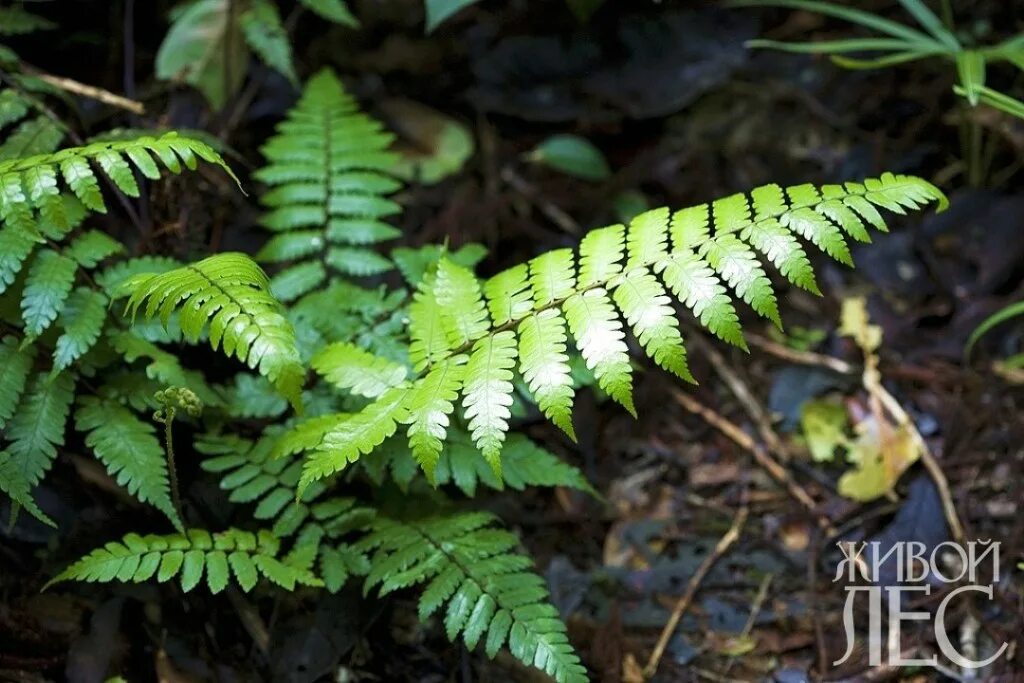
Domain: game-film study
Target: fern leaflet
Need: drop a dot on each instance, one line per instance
(484, 588)
(231, 554)
(707, 256)
(232, 293)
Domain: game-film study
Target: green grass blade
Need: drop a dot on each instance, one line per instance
(970, 65)
(931, 23)
(831, 47)
(1014, 310)
(854, 16)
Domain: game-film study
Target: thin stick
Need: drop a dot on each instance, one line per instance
(723, 545)
(801, 357)
(92, 92)
(927, 459)
(744, 395)
(755, 610)
(763, 458)
(553, 213)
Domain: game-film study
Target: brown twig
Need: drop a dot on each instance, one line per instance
(721, 547)
(553, 213)
(744, 395)
(92, 92)
(801, 357)
(763, 458)
(927, 459)
(755, 610)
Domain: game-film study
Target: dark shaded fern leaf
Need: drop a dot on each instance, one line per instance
(485, 590)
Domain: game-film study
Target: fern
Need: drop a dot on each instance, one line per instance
(232, 293)
(235, 555)
(252, 476)
(63, 308)
(327, 168)
(33, 434)
(484, 588)
(707, 256)
(129, 449)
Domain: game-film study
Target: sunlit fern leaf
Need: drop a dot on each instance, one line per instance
(328, 169)
(231, 293)
(230, 556)
(129, 449)
(487, 393)
(707, 257)
(26, 177)
(353, 370)
(36, 430)
(485, 590)
(82, 321)
(355, 435)
(430, 406)
(91, 247)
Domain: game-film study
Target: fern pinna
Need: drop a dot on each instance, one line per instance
(468, 337)
(484, 589)
(328, 172)
(233, 554)
(57, 301)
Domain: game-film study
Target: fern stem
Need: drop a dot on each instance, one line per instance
(172, 470)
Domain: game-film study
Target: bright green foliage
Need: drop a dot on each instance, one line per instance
(707, 256)
(483, 588)
(232, 293)
(328, 171)
(351, 369)
(220, 557)
(33, 182)
(129, 449)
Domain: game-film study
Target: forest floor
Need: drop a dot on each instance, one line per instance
(685, 114)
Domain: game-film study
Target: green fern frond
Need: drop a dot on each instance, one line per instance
(15, 365)
(252, 476)
(707, 256)
(82, 320)
(129, 449)
(232, 293)
(353, 370)
(484, 588)
(34, 433)
(328, 169)
(232, 555)
(265, 33)
(33, 182)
